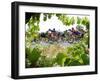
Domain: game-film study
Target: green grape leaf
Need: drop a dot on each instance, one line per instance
(67, 61)
(61, 58)
(78, 20)
(33, 55)
(85, 59)
(74, 62)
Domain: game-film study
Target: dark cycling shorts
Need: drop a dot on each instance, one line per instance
(76, 33)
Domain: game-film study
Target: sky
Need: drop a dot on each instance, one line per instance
(51, 23)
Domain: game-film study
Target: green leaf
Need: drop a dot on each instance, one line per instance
(45, 18)
(67, 61)
(85, 59)
(33, 55)
(61, 58)
(78, 20)
(72, 21)
(74, 62)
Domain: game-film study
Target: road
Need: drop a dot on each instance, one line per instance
(48, 43)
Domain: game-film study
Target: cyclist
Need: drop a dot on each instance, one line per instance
(75, 32)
